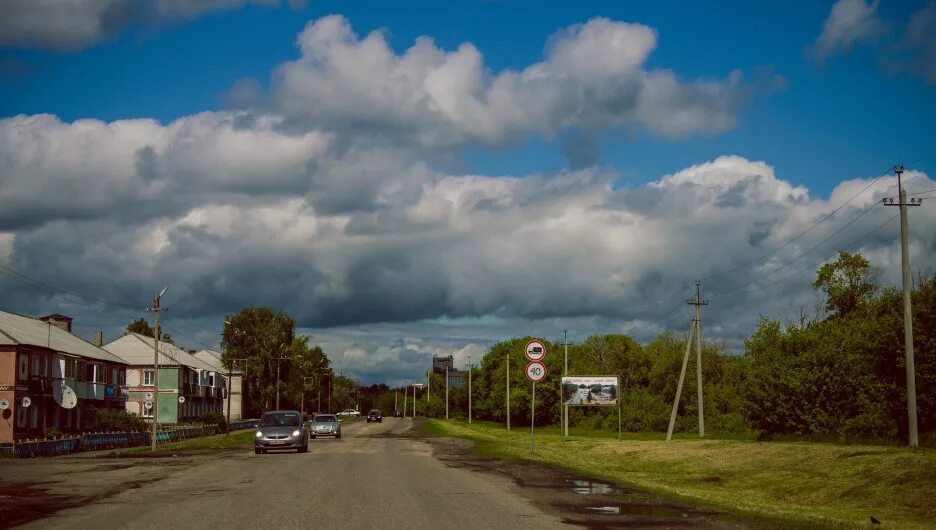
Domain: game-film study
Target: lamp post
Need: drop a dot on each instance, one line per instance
(469, 390)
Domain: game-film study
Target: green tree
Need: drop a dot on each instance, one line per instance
(848, 282)
(260, 339)
(143, 328)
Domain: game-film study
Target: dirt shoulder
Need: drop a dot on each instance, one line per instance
(582, 500)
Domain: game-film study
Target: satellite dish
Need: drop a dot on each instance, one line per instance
(26, 402)
(148, 404)
(64, 395)
(4, 404)
(148, 395)
(181, 399)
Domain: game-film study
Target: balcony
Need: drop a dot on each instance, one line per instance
(40, 386)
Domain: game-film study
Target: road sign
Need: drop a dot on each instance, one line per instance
(4, 404)
(148, 404)
(181, 399)
(148, 395)
(536, 371)
(27, 402)
(535, 350)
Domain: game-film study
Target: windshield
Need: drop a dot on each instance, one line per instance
(280, 420)
(375, 412)
(325, 419)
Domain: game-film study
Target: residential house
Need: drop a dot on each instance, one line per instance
(63, 376)
(188, 387)
(236, 381)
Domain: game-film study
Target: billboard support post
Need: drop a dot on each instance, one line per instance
(619, 409)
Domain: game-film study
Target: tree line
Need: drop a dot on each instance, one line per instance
(838, 373)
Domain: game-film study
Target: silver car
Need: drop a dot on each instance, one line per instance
(281, 429)
(326, 425)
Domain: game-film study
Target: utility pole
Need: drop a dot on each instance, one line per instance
(446, 391)
(699, 302)
(156, 309)
(427, 391)
(469, 390)
(396, 394)
(508, 390)
(564, 409)
(695, 331)
(405, 395)
(908, 314)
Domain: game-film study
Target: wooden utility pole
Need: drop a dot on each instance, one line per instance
(912, 436)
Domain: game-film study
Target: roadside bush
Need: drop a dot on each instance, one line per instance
(215, 418)
(52, 432)
(112, 420)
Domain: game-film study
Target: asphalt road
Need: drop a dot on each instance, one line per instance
(367, 479)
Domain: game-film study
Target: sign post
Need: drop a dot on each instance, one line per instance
(535, 351)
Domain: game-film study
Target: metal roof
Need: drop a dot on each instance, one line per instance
(137, 349)
(21, 330)
(211, 358)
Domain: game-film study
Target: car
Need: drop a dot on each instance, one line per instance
(349, 412)
(281, 429)
(374, 415)
(325, 425)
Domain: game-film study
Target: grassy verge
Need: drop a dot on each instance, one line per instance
(218, 441)
(798, 483)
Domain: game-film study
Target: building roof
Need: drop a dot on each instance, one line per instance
(211, 358)
(21, 330)
(137, 349)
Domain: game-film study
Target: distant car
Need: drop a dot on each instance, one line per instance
(374, 415)
(349, 412)
(325, 425)
(281, 429)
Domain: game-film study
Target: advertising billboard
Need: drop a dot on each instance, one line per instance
(590, 390)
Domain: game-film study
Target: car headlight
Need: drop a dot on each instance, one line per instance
(296, 432)
(259, 434)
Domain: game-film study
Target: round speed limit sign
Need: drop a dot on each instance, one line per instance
(536, 371)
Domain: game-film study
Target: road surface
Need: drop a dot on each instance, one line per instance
(367, 479)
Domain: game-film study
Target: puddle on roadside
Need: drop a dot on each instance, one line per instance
(587, 487)
(644, 510)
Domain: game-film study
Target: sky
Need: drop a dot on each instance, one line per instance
(412, 179)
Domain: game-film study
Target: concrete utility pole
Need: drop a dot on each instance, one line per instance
(405, 395)
(446, 391)
(699, 302)
(396, 394)
(508, 390)
(695, 331)
(913, 438)
(469, 390)
(427, 391)
(156, 309)
(564, 409)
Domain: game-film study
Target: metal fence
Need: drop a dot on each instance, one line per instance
(111, 440)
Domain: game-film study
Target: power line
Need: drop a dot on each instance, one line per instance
(922, 192)
(801, 254)
(817, 264)
(808, 230)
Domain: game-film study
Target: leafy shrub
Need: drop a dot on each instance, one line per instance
(215, 418)
(112, 420)
(52, 432)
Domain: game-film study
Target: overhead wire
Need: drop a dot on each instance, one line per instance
(801, 254)
(809, 267)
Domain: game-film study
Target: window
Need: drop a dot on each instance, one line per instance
(148, 378)
(98, 373)
(114, 380)
(71, 367)
(23, 367)
(35, 365)
(33, 417)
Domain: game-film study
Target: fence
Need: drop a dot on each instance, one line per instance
(111, 440)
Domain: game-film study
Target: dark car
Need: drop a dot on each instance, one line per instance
(374, 415)
(281, 429)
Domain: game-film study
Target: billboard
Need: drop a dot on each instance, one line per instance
(590, 390)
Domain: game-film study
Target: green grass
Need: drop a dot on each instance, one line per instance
(798, 483)
(218, 441)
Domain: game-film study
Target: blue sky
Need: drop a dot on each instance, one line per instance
(404, 202)
(834, 121)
